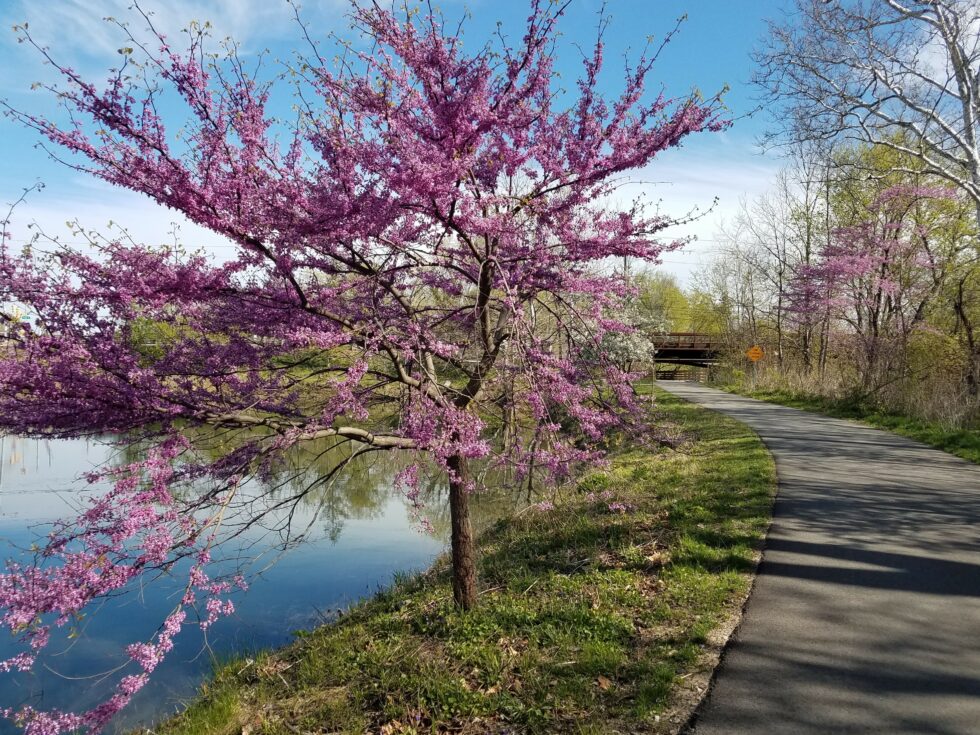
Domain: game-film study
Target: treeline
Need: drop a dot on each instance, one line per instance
(859, 270)
(859, 273)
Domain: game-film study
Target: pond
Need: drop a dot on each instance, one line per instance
(362, 533)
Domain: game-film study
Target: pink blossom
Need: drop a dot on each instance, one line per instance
(621, 507)
(417, 266)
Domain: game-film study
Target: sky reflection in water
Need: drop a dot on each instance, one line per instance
(363, 535)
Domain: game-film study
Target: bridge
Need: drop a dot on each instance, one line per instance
(686, 349)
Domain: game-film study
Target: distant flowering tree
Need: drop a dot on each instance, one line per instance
(628, 349)
(878, 275)
(428, 212)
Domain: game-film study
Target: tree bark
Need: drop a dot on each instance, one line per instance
(972, 343)
(463, 547)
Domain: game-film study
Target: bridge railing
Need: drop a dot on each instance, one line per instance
(689, 340)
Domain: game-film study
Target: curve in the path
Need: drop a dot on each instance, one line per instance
(865, 615)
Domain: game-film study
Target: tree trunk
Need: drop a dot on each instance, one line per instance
(806, 335)
(463, 548)
(824, 345)
(972, 343)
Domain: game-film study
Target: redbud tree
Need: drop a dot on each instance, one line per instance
(878, 274)
(419, 264)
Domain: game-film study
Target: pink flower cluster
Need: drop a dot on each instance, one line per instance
(873, 275)
(133, 528)
(612, 505)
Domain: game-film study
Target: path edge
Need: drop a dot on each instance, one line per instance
(725, 635)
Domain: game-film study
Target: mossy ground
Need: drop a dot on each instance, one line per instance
(963, 443)
(590, 620)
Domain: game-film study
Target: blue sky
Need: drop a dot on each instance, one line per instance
(711, 51)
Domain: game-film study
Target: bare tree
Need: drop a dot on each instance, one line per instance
(772, 237)
(900, 73)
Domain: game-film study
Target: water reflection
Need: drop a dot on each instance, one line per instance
(357, 533)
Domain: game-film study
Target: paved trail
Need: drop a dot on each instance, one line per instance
(865, 616)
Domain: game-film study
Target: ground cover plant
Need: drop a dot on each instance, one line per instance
(596, 611)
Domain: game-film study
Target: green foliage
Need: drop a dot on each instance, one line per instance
(709, 314)
(661, 306)
(152, 338)
(931, 351)
(588, 619)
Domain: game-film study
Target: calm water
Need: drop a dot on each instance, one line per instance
(362, 533)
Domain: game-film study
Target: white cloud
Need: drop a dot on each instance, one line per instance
(251, 22)
(98, 207)
(687, 180)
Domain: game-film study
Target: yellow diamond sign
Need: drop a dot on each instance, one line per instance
(754, 353)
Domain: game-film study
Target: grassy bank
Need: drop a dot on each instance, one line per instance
(593, 619)
(963, 443)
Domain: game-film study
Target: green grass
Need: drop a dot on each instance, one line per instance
(587, 620)
(963, 443)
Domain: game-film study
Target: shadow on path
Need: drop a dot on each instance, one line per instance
(865, 616)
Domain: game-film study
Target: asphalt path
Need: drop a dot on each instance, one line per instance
(865, 615)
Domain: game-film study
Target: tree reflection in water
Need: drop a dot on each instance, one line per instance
(346, 538)
(320, 485)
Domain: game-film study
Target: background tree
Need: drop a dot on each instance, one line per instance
(850, 264)
(904, 75)
(879, 275)
(414, 251)
(900, 74)
(661, 305)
